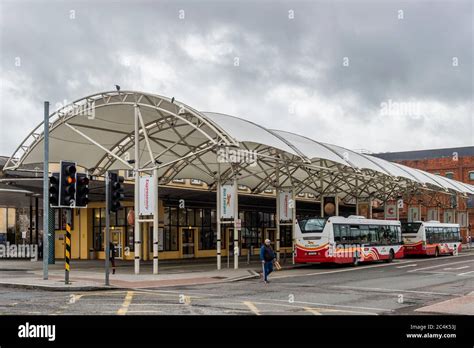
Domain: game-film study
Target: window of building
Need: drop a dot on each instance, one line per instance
(116, 220)
(196, 182)
(449, 175)
(471, 176)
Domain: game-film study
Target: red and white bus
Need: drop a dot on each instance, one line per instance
(431, 238)
(347, 240)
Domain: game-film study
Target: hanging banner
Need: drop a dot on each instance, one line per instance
(286, 206)
(462, 219)
(400, 203)
(147, 199)
(390, 212)
(432, 214)
(329, 206)
(363, 209)
(448, 216)
(227, 203)
(413, 214)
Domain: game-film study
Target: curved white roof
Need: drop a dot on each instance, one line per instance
(98, 132)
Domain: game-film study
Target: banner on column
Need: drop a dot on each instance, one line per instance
(329, 206)
(286, 205)
(390, 212)
(432, 214)
(363, 209)
(448, 216)
(227, 203)
(462, 219)
(413, 214)
(147, 199)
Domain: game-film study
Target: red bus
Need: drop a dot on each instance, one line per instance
(431, 238)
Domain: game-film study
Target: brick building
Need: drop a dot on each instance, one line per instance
(455, 163)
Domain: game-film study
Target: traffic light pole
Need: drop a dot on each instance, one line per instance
(107, 226)
(67, 254)
(45, 191)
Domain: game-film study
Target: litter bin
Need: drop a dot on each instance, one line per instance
(91, 254)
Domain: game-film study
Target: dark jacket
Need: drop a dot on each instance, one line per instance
(266, 253)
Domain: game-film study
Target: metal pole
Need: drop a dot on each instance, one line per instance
(137, 195)
(322, 205)
(277, 215)
(31, 220)
(370, 207)
(155, 222)
(45, 190)
(218, 218)
(236, 231)
(67, 253)
(293, 223)
(37, 219)
(336, 201)
(107, 226)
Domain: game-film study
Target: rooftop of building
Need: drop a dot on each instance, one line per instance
(467, 151)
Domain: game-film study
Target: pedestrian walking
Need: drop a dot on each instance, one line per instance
(267, 256)
(112, 256)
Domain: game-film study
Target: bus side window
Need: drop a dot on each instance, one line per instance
(373, 234)
(364, 234)
(337, 233)
(355, 234)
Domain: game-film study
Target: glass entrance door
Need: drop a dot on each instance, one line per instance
(116, 236)
(187, 242)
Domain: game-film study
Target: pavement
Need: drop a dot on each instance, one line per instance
(89, 275)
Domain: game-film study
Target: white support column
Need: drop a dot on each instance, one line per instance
(218, 218)
(322, 206)
(155, 222)
(236, 232)
(293, 227)
(370, 207)
(137, 244)
(277, 215)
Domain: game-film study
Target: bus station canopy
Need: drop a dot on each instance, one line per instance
(98, 132)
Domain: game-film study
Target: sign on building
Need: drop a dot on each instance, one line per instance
(448, 216)
(400, 203)
(286, 205)
(432, 214)
(390, 212)
(462, 219)
(363, 209)
(227, 203)
(147, 199)
(413, 214)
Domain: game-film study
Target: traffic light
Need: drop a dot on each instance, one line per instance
(54, 190)
(82, 194)
(68, 184)
(116, 191)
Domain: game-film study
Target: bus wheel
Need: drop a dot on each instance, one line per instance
(391, 256)
(436, 252)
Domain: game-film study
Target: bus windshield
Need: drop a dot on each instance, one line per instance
(410, 227)
(312, 225)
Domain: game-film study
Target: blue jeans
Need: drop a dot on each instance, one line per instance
(268, 268)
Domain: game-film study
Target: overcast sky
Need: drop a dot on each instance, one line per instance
(375, 75)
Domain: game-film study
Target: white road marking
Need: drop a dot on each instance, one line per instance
(462, 274)
(441, 265)
(456, 268)
(411, 265)
(396, 290)
(352, 269)
(334, 305)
